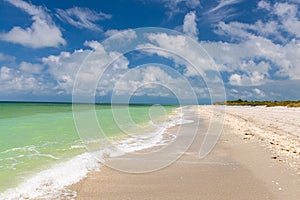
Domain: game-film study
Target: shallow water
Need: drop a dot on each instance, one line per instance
(38, 139)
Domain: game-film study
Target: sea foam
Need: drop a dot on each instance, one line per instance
(52, 183)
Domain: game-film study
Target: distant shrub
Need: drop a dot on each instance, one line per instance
(241, 102)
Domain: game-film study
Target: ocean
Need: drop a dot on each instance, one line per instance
(41, 152)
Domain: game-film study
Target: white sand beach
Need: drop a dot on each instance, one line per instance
(256, 157)
(277, 128)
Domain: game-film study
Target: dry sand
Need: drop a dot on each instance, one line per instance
(237, 168)
(276, 128)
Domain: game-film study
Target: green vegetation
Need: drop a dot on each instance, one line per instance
(241, 102)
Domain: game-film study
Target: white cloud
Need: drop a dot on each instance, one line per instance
(251, 94)
(63, 68)
(234, 91)
(31, 68)
(239, 94)
(192, 3)
(222, 4)
(230, 56)
(264, 5)
(6, 73)
(259, 92)
(190, 25)
(104, 79)
(127, 34)
(255, 78)
(82, 17)
(235, 79)
(273, 40)
(240, 31)
(290, 66)
(242, 56)
(188, 54)
(13, 80)
(4, 57)
(173, 4)
(153, 81)
(91, 63)
(253, 74)
(234, 30)
(223, 10)
(42, 33)
(181, 50)
(281, 24)
(117, 77)
(92, 44)
(179, 6)
(289, 19)
(285, 9)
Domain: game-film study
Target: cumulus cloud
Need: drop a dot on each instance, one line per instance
(86, 67)
(94, 75)
(127, 34)
(154, 80)
(82, 17)
(190, 25)
(281, 25)
(288, 16)
(63, 68)
(231, 57)
(259, 92)
(274, 41)
(252, 79)
(9, 58)
(264, 5)
(42, 33)
(13, 80)
(181, 50)
(92, 44)
(188, 55)
(31, 68)
(56, 74)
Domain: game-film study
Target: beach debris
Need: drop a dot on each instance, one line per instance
(274, 157)
(248, 133)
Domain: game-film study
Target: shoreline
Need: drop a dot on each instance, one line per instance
(233, 164)
(52, 181)
(274, 128)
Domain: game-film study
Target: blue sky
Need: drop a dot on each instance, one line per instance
(254, 44)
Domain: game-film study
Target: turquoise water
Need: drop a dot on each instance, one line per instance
(35, 136)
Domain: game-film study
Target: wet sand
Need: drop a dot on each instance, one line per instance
(235, 169)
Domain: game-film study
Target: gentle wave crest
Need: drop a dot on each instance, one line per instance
(52, 183)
